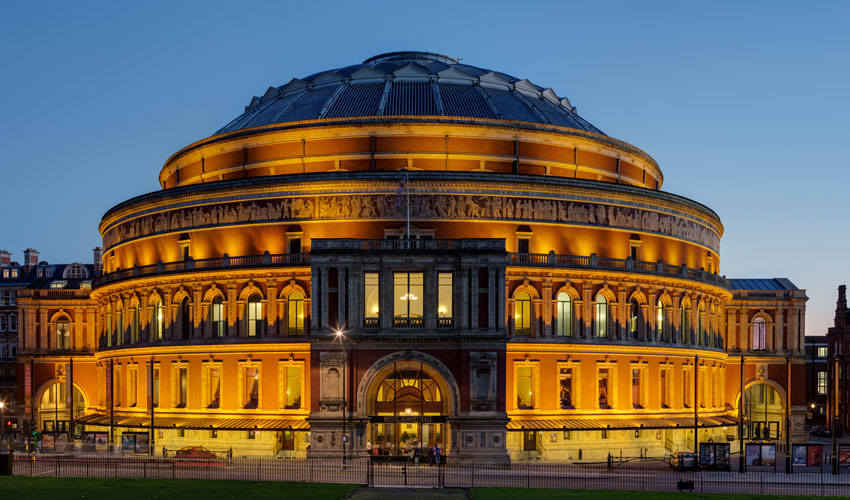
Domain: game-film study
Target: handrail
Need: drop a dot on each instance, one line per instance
(608, 263)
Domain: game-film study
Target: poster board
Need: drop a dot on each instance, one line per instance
(715, 456)
(101, 442)
(844, 456)
(128, 443)
(806, 455)
(760, 455)
(142, 440)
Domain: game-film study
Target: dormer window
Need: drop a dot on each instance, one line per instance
(85, 285)
(523, 239)
(15, 272)
(58, 285)
(185, 251)
(634, 247)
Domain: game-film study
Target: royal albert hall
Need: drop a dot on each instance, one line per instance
(412, 252)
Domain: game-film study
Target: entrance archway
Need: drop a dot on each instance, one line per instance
(53, 410)
(407, 399)
(764, 410)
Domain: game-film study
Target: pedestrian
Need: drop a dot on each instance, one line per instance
(416, 456)
(437, 452)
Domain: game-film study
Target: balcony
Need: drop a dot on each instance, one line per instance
(405, 245)
(408, 322)
(54, 293)
(190, 265)
(610, 264)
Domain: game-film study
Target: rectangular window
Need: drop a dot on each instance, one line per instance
(251, 391)
(132, 385)
(291, 377)
(116, 385)
(182, 387)
(444, 300)
(687, 387)
(637, 400)
(156, 386)
(822, 352)
(664, 384)
(822, 382)
(214, 394)
(371, 300)
(523, 244)
(217, 318)
(408, 293)
(294, 244)
(603, 389)
(524, 388)
(565, 386)
(255, 317)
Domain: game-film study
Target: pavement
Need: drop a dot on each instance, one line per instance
(410, 493)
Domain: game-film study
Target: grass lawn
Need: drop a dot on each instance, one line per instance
(130, 489)
(551, 494)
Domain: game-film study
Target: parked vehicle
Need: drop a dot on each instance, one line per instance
(684, 460)
(195, 453)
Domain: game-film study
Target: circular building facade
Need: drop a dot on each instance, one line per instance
(405, 253)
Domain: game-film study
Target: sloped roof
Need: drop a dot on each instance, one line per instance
(762, 284)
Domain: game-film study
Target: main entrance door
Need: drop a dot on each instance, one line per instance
(409, 416)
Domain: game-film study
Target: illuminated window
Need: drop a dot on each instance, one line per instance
(408, 291)
(217, 317)
(181, 385)
(295, 317)
(687, 387)
(603, 388)
(116, 385)
(565, 388)
(637, 388)
(157, 320)
(63, 334)
(214, 387)
(254, 315)
(601, 318)
(119, 326)
(250, 387)
(372, 301)
(565, 315)
(822, 382)
(822, 352)
(525, 388)
(522, 313)
(634, 318)
(660, 320)
(664, 386)
(135, 326)
(444, 292)
(291, 378)
(759, 334)
(132, 385)
(685, 324)
(155, 386)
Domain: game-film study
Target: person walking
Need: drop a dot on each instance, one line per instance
(437, 453)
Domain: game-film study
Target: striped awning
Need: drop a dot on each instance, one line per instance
(557, 423)
(199, 423)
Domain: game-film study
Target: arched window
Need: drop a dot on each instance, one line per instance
(660, 319)
(157, 319)
(119, 326)
(109, 326)
(217, 317)
(565, 315)
(295, 313)
(634, 318)
(136, 325)
(759, 334)
(601, 320)
(701, 336)
(185, 320)
(63, 333)
(522, 313)
(685, 324)
(254, 316)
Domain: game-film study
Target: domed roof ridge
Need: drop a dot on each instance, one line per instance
(433, 85)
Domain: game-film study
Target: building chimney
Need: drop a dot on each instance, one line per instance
(5, 258)
(841, 307)
(98, 259)
(30, 259)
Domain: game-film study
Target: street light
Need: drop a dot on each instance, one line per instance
(341, 338)
(2, 422)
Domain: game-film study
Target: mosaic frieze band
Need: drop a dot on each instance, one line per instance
(422, 207)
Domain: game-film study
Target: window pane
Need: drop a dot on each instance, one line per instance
(603, 388)
(252, 387)
(184, 389)
(522, 313)
(293, 387)
(444, 308)
(565, 313)
(408, 291)
(215, 387)
(636, 399)
(371, 293)
(659, 320)
(296, 313)
(601, 316)
(524, 388)
(566, 387)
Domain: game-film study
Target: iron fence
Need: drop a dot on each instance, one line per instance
(635, 476)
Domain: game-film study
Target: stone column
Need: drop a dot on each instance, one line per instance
(547, 308)
(231, 309)
(783, 341)
(197, 312)
(77, 342)
(43, 327)
(271, 309)
(91, 330)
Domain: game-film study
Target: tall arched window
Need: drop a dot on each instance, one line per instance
(254, 316)
(701, 337)
(660, 319)
(634, 318)
(185, 319)
(109, 326)
(601, 320)
(685, 324)
(295, 313)
(759, 334)
(63, 333)
(522, 313)
(136, 325)
(565, 315)
(157, 320)
(119, 326)
(217, 317)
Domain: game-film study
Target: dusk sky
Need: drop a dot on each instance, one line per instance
(745, 105)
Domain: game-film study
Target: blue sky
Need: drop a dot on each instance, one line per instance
(743, 104)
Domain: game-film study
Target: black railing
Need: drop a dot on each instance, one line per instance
(445, 323)
(371, 323)
(607, 263)
(620, 473)
(408, 323)
(224, 262)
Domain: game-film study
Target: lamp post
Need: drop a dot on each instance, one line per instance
(342, 339)
(2, 422)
